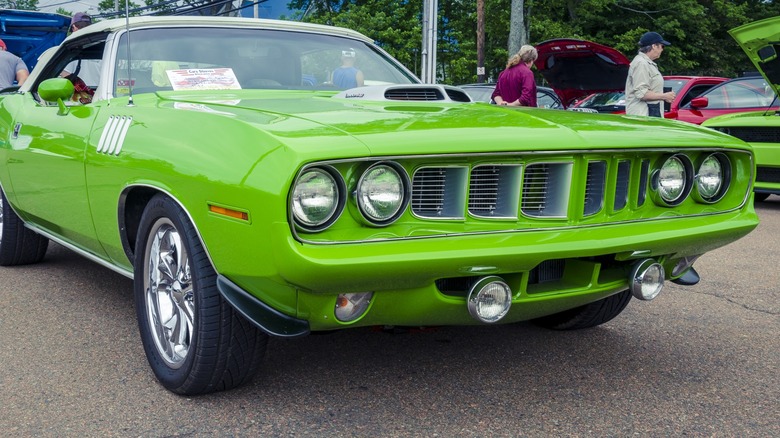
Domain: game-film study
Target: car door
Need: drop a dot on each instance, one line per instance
(45, 163)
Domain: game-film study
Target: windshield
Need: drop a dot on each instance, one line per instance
(229, 58)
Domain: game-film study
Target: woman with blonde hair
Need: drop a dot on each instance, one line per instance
(516, 85)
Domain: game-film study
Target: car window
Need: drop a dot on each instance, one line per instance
(740, 94)
(675, 84)
(547, 100)
(694, 91)
(244, 58)
(479, 94)
(79, 61)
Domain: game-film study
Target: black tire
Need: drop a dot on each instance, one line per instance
(589, 315)
(761, 197)
(195, 342)
(18, 244)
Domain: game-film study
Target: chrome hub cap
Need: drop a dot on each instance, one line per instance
(169, 296)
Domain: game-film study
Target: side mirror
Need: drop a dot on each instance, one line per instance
(700, 102)
(52, 90)
(56, 90)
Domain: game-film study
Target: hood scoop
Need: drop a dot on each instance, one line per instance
(407, 93)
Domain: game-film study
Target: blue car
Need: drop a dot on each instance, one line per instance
(27, 34)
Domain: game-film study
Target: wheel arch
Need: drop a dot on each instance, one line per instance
(132, 202)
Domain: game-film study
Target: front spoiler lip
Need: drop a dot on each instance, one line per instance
(266, 318)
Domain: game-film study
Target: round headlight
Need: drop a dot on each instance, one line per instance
(671, 180)
(315, 199)
(381, 194)
(647, 279)
(489, 299)
(712, 178)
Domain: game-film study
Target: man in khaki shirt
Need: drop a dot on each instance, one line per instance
(645, 85)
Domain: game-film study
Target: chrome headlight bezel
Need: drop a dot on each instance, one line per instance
(366, 195)
(709, 196)
(663, 182)
(335, 207)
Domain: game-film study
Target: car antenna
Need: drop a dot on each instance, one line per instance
(129, 77)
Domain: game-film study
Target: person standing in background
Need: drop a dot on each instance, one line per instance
(12, 68)
(645, 84)
(347, 75)
(82, 73)
(516, 85)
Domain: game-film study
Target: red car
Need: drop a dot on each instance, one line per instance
(591, 77)
(733, 96)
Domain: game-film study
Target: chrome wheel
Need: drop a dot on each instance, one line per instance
(169, 293)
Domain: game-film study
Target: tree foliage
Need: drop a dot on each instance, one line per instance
(697, 29)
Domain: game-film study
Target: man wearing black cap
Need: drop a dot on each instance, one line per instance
(645, 84)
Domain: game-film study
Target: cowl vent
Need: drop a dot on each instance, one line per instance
(413, 93)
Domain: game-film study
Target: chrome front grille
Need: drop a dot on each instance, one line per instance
(493, 191)
(532, 190)
(439, 192)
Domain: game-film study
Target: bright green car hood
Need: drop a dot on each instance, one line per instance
(423, 127)
(761, 42)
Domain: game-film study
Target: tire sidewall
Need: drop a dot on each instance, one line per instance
(163, 207)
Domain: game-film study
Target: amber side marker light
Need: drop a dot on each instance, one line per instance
(244, 216)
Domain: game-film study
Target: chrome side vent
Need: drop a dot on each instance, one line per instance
(494, 191)
(594, 187)
(439, 192)
(622, 183)
(546, 188)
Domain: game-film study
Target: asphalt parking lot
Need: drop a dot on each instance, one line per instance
(697, 361)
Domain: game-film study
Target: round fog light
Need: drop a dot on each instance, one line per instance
(647, 279)
(489, 300)
(350, 307)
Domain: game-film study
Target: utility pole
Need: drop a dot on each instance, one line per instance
(480, 41)
(429, 39)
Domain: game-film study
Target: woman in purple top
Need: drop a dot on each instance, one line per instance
(516, 85)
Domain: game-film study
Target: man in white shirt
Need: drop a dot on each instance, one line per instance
(645, 84)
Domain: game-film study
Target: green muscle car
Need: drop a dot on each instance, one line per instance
(220, 165)
(761, 129)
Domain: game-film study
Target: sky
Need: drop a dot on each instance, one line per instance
(69, 5)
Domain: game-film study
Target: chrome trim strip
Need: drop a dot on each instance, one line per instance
(81, 252)
(104, 134)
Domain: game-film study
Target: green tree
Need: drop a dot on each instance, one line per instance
(25, 5)
(698, 29)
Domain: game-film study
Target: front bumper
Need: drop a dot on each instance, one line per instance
(420, 282)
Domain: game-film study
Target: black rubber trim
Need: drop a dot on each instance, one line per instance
(262, 315)
(689, 278)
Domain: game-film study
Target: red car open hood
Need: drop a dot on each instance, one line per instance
(576, 68)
